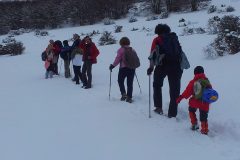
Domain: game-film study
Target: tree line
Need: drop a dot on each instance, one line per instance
(40, 14)
(159, 6)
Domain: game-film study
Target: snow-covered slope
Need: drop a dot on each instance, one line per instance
(56, 120)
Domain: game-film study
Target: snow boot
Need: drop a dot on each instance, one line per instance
(124, 97)
(129, 100)
(158, 110)
(46, 74)
(194, 127)
(204, 127)
(51, 74)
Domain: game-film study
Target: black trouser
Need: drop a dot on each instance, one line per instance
(67, 69)
(129, 74)
(203, 114)
(55, 68)
(51, 67)
(174, 74)
(77, 73)
(87, 73)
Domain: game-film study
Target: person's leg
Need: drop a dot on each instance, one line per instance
(158, 78)
(174, 79)
(84, 76)
(89, 74)
(193, 118)
(121, 78)
(130, 78)
(75, 70)
(66, 68)
(204, 121)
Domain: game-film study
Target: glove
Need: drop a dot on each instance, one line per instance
(149, 71)
(111, 67)
(178, 100)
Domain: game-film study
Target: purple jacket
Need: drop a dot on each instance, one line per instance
(120, 58)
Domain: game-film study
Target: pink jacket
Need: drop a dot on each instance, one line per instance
(120, 58)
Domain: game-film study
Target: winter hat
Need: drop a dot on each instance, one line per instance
(198, 70)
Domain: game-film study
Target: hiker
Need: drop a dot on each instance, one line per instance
(57, 45)
(125, 71)
(90, 53)
(76, 43)
(165, 61)
(76, 57)
(65, 54)
(49, 62)
(196, 102)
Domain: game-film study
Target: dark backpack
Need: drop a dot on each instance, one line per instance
(130, 58)
(44, 56)
(171, 48)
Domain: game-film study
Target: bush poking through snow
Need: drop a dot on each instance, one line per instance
(164, 15)
(12, 48)
(134, 29)
(91, 34)
(108, 21)
(210, 52)
(212, 9)
(230, 9)
(118, 29)
(213, 25)
(190, 31)
(41, 33)
(132, 19)
(8, 40)
(152, 18)
(107, 39)
(228, 39)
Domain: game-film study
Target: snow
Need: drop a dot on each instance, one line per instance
(56, 120)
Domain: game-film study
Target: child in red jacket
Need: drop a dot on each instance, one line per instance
(195, 103)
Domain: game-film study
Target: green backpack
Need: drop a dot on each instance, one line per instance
(199, 87)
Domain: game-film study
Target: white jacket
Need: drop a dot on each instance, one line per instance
(77, 60)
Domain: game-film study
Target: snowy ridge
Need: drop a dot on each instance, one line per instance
(56, 120)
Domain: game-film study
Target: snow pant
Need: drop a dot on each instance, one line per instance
(55, 64)
(67, 68)
(87, 73)
(49, 71)
(129, 74)
(174, 74)
(77, 73)
(203, 118)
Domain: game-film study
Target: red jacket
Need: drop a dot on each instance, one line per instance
(189, 92)
(56, 49)
(90, 52)
(157, 40)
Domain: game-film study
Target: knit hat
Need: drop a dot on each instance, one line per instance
(198, 70)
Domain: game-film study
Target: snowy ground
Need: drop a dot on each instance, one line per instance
(56, 120)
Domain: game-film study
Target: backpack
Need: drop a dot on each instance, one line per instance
(169, 51)
(202, 91)
(130, 58)
(44, 56)
(210, 95)
(171, 48)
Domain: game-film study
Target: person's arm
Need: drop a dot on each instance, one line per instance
(119, 57)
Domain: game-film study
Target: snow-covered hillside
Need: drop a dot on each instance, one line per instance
(54, 119)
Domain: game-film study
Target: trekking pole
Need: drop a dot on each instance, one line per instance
(149, 113)
(110, 84)
(138, 83)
